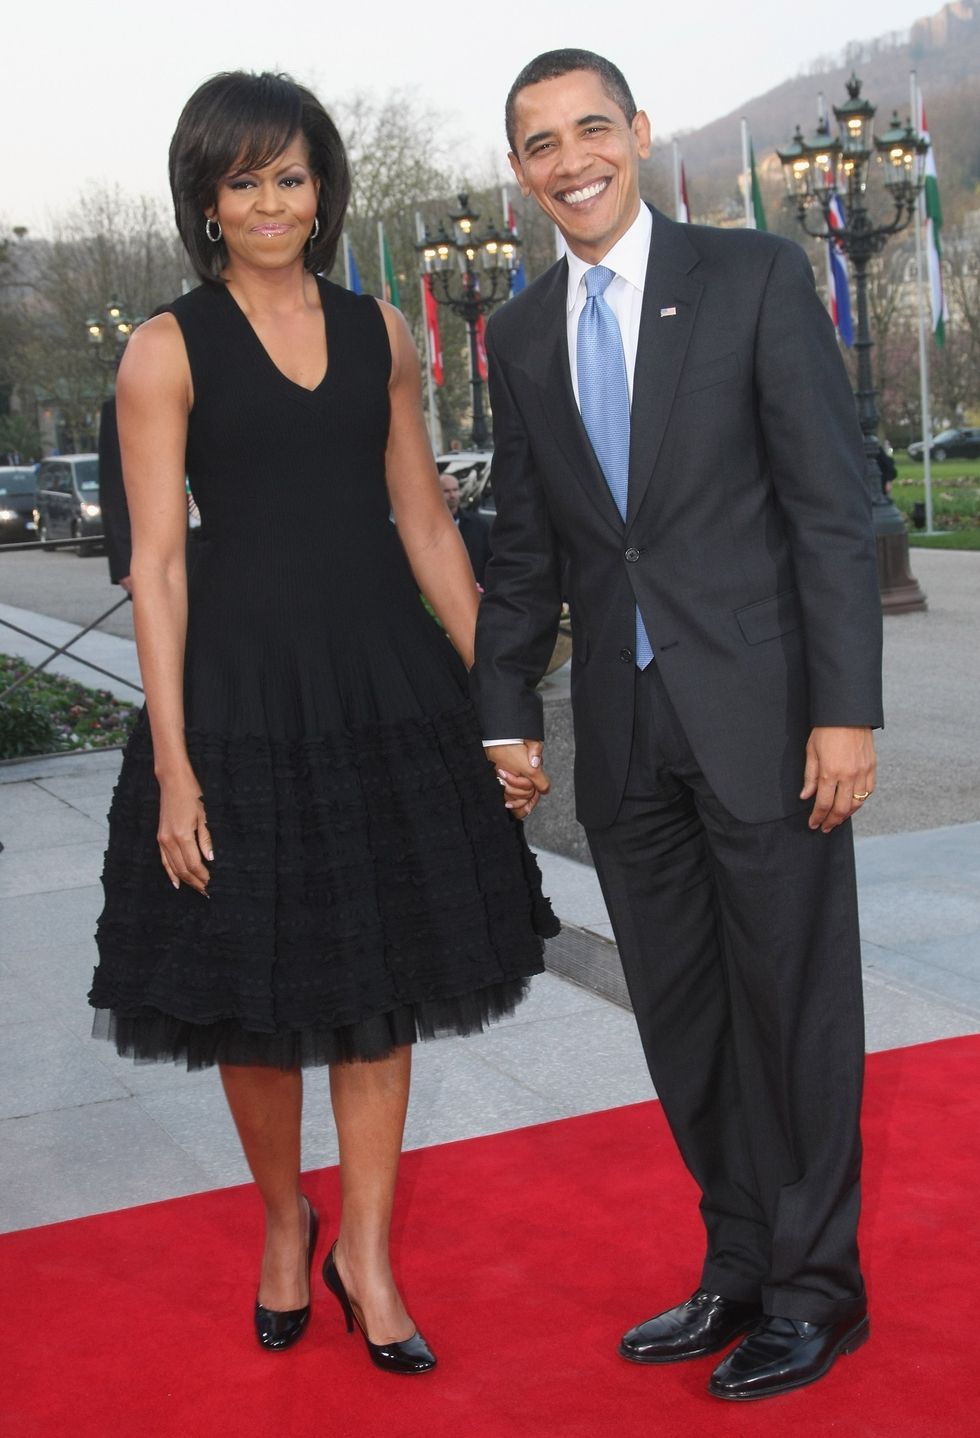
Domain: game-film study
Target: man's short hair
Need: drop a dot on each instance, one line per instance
(554, 63)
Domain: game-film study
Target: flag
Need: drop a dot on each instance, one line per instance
(481, 347)
(518, 276)
(683, 208)
(389, 284)
(432, 325)
(838, 286)
(350, 265)
(758, 213)
(933, 225)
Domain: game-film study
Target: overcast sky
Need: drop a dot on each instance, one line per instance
(92, 91)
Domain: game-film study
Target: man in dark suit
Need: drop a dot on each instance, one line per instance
(112, 500)
(676, 443)
(474, 530)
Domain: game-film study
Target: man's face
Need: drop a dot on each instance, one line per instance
(580, 159)
(450, 492)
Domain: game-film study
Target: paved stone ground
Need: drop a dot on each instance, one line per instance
(82, 1131)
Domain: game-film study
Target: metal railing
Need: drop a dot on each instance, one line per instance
(59, 649)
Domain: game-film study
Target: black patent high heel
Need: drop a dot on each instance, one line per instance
(277, 1330)
(408, 1355)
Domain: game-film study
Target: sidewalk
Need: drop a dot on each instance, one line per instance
(82, 1131)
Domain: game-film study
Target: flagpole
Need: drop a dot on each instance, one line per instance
(677, 180)
(747, 177)
(434, 426)
(381, 258)
(346, 260)
(926, 407)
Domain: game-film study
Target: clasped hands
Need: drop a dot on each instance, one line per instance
(839, 774)
(519, 770)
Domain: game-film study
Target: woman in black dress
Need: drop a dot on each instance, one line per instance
(309, 858)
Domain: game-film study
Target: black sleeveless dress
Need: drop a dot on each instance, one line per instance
(368, 886)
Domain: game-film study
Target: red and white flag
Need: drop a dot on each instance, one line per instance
(432, 326)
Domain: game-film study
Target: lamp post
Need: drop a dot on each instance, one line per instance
(819, 169)
(108, 336)
(470, 273)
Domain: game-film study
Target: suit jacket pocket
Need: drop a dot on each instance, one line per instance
(708, 373)
(768, 618)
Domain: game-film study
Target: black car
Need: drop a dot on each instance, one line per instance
(18, 498)
(949, 444)
(68, 499)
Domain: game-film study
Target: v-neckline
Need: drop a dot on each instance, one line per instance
(270, 362)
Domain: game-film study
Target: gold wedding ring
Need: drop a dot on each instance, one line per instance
(861, 797)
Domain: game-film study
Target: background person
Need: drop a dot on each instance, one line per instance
(292, 874)
(652, 455)
(473, 528)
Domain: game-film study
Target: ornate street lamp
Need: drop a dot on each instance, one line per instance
(108, 336)
(470, 273)
(819, 169)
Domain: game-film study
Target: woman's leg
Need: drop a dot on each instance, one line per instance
(369, 1104)
(267, 1105)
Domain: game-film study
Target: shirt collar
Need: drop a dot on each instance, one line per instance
(628, 257)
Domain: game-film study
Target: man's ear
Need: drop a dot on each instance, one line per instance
(641, 133)
(516, 166)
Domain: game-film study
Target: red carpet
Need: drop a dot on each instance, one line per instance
(524, 1255)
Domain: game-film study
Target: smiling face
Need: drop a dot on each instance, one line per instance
(266, 214)
(577, 154)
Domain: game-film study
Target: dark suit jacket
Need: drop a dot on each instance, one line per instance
(112, 496)
(747, 545)
(474, 531)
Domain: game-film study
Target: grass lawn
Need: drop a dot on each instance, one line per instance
(955, 501)
(50, 715)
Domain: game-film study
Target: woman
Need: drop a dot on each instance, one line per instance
(309, 858)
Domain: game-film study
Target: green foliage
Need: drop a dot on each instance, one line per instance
(949, 539)
(955, 493)
(19, 435)
(48, 714)
(25, 728)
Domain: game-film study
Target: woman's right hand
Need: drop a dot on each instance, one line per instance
(183, 835)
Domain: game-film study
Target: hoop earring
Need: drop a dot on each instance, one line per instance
(207, 230)
(315, 230)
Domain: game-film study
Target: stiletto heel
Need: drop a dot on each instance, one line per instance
(278, 1330)
(408, 1355)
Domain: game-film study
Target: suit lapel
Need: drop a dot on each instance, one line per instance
(661, 348)
(548, 362)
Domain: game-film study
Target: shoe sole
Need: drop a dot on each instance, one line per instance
(850, 1343)
(689, 1354)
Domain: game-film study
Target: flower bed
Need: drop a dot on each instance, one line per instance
(51, 715)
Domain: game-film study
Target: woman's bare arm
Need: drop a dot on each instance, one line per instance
(428, 534)
(153, 401)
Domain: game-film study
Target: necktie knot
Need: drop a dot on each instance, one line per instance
(598, 280)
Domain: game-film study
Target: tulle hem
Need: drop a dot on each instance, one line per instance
(149, 1036)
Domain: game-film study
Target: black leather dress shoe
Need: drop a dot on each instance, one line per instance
(278, 1329)
(704, 1324)
(784, 1353)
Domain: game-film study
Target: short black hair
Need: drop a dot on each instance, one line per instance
(554, 63)
(241, 121)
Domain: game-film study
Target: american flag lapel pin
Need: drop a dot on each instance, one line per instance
(668, 310)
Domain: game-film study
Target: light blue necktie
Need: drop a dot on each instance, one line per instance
(604, 399)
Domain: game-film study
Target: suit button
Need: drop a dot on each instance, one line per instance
(626, 655)
(632, 555)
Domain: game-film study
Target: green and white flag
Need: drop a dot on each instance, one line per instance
(389, 284)
(933, 225)
(755, 214)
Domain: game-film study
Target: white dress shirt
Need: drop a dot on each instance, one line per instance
(624, 296)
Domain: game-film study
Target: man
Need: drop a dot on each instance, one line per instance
(474, 530)
(676, 445)
(112, 500)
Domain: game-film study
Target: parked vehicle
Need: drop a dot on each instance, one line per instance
(949, 444)
(472, 470)
(68, 500)
(18, 497)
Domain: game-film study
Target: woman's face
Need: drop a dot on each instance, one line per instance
(266, 215)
